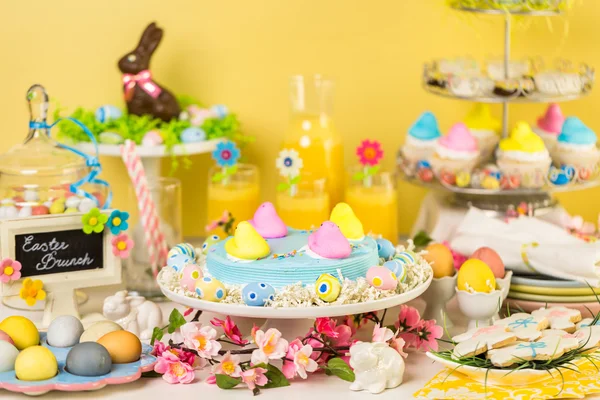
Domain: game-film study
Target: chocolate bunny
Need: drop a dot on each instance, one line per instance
(142, 94)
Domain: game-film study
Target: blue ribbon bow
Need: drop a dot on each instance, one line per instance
(92, 162)
(533, 346)
(522, 323)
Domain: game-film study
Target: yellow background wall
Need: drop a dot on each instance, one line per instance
(241, 53)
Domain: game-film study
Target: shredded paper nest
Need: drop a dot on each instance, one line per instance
(299, 295)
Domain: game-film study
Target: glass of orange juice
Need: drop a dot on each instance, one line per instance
(306, 205)
(375, 203)
(311, 132)
(238, 195)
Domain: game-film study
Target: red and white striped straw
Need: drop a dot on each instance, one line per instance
(155, 240)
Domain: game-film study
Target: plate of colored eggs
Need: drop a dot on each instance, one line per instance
(67, 358)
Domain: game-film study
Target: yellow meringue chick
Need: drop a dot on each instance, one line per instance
(522, 138)
(343, 216)
(246, 243)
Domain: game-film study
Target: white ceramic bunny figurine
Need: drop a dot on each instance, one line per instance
(377, 367)
(134, 313)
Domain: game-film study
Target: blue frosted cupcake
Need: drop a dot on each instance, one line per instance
(576, 146)
(422, 138)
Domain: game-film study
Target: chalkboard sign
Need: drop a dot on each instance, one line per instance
(45, 253)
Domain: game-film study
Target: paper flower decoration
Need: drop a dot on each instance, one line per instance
(117, 222)
(94, 221)
(226, 154)
(369, 152)
(10, 270)
(289, 164)
(32, 291)
(121, 245)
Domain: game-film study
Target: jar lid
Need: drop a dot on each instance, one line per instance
(40, 155)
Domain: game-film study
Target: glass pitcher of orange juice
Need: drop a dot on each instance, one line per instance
(311, 132)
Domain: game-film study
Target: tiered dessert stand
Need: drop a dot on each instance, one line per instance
(449, 201)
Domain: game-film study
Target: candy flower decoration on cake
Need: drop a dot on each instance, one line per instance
(576, 147)
(289, 164)
(343, 216)
(421, 139)
(247, 243)
(456, 153)
(10, 270)
(549, 126)
(484, 127)
(329, 346)
(267, 223)
(32, 291)
(226, 155)
(369, 155)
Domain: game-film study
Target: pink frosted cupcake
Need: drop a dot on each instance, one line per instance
(456, 152)
(549, 126)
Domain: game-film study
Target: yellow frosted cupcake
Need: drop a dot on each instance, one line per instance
(523, 154)
(485, 128)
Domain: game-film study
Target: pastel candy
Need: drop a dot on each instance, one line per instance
(552, 120)
(267, 223)
(210, 289)
(246, 243)
(209, 242)
(349, 224)
(107, 113)
(183, 248)
(385, 248)
(152, 138)
(193, 134)
(329, 242)
(397, 267)
(179, 261)
(328, 287)
(257, 294)
(459, 138)
(425, 128)
(190, 275)
(575, 132)
(382, 278)
(110, 138)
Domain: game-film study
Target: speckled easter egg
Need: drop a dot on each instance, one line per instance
(492, 259)
(476, 276)
(328, 287)
(21, 330)
(382, 278)
(406, 257)
(123, 346)
(8, 356)
(36, 363)
(210, 289)
(88, 359)
(107, 113)
(25, 212)
(64, 331)
(99, 329)
(178, 261)
(193, 134)
(385, 248)
(86, 205)
(110, 138)
(441, 260)
(57, 207)
(152, 138)
(31, 195)
(72, 202)
(71, 210)
(183, 248)
(463, 179)
(189, 275)
(257, 294)
(209, 242)
(39, 210)
(397, 267)
(490, 183)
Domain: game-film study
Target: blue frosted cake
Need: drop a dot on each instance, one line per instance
(290, 261)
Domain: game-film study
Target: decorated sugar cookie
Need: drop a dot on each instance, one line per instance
(557, 332)
(545, 349)
(589, 337)
(526, 327)
(478, 341)
(560, 317)
(587, 322)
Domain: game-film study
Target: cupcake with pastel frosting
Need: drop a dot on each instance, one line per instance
(485, 128)
(576, 145)
(422, 138)
(524, 154)
(456, 152)
(549, 126)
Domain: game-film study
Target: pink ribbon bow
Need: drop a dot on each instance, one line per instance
(144, 79)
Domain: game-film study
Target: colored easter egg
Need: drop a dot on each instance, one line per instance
(477, 178)
(257, 294)
(193, 134)
(328, 287)
(423, 164)
(123, 346)
(25, 211)
(492, 259)
(382, 278)
(569, 171)
(189, 275)
(86, 205)
(441, 260)
(385, 248)
(57, 207)
(72, 202)
(8, 356)
(406, 257)
(40, 210)
(10, 212)
(64, 331)
(152, 138)
(110, 138)
(178, 261)
(88, 359)
(183, 248)
(31, 195)
(99, 329)
(220, 110)
(21, 330)
(71, 210)
(209, 242)
(475, 276)
(463, 179)
(210, 289)
(19, 200)
(557, 177)
(585, 173)
(425, 174)
(490, 183)
(397, 267)
(448, 178)
(4, 337)
(36, 363)
(108, 113)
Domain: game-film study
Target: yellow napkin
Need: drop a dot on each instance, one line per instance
(456, 386)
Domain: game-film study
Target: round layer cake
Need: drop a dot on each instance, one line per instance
(290, 262)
